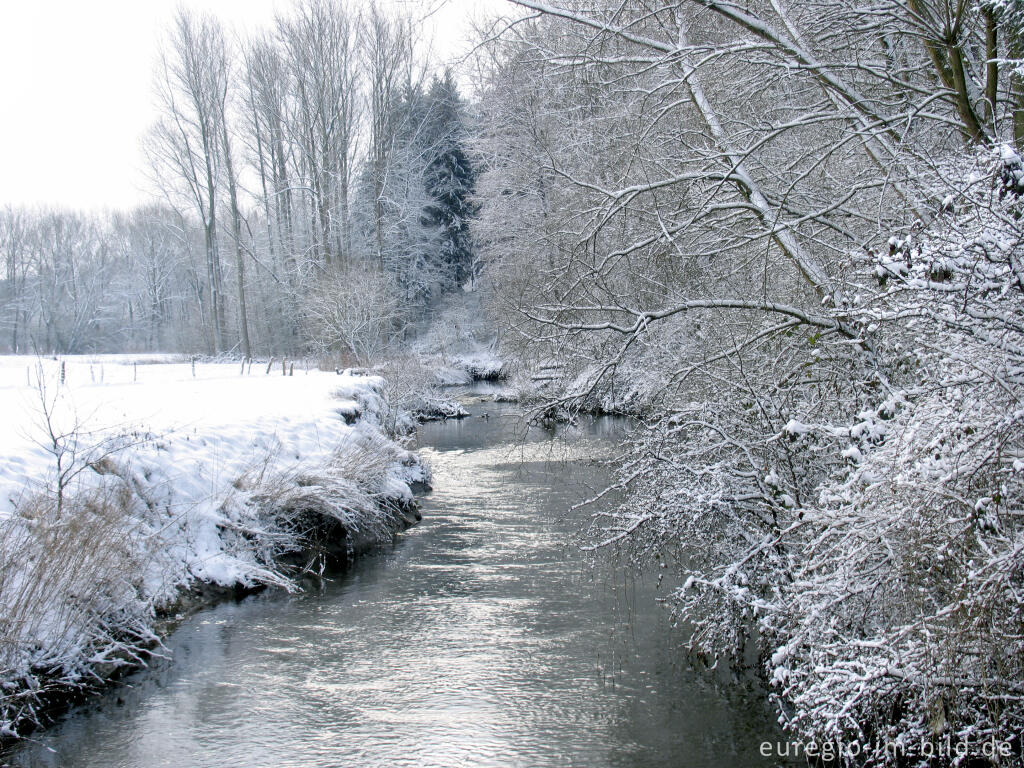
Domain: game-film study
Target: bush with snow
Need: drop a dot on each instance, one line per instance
(856, 503)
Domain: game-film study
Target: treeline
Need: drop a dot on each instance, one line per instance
(313, 192)
(790, 237)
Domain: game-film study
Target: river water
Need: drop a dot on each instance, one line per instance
(481, 638)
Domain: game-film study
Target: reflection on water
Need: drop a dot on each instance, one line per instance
(479, 639)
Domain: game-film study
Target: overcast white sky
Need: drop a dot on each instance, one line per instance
(76, 83)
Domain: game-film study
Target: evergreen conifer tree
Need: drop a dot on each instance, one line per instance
(449, 182)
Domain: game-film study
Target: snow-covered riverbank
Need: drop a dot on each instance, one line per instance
(125, 482)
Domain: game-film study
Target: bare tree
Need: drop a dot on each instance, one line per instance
(387, 51)
(236, 216)
(13, 247)
(185, 146)
(357, 311)
(266, 83)
(320, 50)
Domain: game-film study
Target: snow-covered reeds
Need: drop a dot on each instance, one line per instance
(68, 593)
(334, 510)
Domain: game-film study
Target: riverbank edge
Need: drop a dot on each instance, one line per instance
(328, 549)
(399, 514)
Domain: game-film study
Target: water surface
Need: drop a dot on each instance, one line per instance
(481, 638)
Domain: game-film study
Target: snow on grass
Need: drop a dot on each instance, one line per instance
(149, 478)
(200, 431)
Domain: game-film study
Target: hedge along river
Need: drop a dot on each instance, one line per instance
(481, 638)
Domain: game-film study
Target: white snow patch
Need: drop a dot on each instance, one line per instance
(794, 427)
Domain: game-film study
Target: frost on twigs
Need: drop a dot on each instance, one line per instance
(861, 507)
(786, 237)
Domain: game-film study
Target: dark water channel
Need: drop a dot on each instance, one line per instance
(480, 639)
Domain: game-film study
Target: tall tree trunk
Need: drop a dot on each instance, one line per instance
(262, 167)
(210, 234)
(1016, 50)
(971, 124)
(236, 234)
(991, 65)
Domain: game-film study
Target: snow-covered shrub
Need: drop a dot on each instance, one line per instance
(854, 502)
(411, 393)
(354, 311)
(459, 343)
(904, 614)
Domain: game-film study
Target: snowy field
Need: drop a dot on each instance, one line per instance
(211, 425)
(151, 475)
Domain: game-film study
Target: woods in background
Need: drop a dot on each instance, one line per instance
(316, 164)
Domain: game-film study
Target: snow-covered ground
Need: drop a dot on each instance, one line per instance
(212, 426)
(173, 474)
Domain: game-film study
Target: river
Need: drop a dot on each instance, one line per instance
(481, 638)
